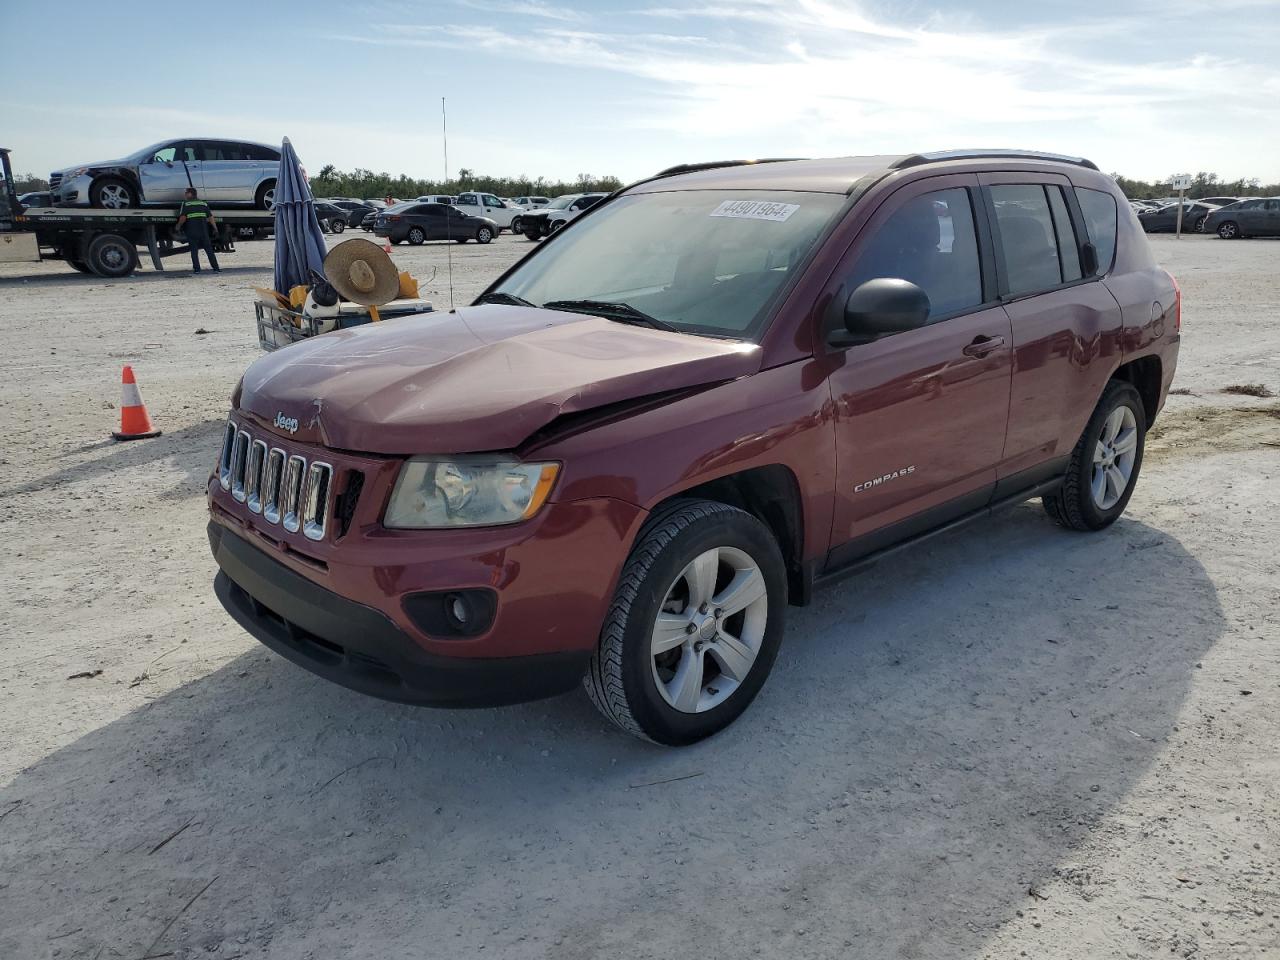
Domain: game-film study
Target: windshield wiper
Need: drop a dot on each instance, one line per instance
(500, 297)
(612, 310)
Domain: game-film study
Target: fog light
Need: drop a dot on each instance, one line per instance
(459, 610)
(452, 614)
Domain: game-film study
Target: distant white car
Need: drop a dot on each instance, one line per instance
(437, 198)
(528, 203)
(547, 220)
(487, 205)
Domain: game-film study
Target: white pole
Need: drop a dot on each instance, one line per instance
(1181, 198)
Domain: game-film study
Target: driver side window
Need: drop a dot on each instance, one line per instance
(931, 241)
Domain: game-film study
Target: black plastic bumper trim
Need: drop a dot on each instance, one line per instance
(360, 648)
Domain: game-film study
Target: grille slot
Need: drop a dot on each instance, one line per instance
(224, 459)
(345, 505)
(291, 494)
(253, 476)
(315, 502)
(271, 477)
(239, 460)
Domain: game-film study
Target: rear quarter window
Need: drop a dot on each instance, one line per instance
(1099, 211)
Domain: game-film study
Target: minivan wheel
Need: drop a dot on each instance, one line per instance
(265, 198)
(1104, 465)
(1229, 230)
(694, 626)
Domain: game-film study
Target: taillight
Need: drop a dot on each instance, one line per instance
(1177, 305)
(392, 219)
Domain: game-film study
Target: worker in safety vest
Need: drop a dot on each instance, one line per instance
(195, 218)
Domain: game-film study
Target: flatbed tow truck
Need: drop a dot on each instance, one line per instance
(103, 243)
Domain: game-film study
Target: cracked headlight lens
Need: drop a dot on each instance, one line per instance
(434, 493)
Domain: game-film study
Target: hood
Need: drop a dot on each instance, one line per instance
(122, 162)
(474, 380)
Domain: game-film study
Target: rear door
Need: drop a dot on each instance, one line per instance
(1066, 326)
(1269, 221)
(920, 415)
(229, 174)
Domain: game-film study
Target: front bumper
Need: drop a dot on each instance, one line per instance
(360, 648)
(72, 192)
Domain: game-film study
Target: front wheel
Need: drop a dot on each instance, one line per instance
(694, 627)
(484, 235)
(337, 226)
(112, 193)
(1229, 230)
(1104, 465)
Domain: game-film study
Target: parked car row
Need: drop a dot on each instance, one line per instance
(1229, 217)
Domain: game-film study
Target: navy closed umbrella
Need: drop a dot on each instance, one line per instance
(300, 245)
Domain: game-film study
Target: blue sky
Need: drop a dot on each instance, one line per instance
(562, 87)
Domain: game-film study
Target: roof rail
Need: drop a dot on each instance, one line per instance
(915, 159)
(714, 164)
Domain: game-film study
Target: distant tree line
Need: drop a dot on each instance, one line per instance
(29, 183)
(1202, 185)
(332, 182)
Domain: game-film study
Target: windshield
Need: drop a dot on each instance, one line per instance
(559, 203)
(700, 261)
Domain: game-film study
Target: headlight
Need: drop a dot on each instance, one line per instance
(479, 492)
(77, 172)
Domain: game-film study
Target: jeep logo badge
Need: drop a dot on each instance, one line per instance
(286, 423)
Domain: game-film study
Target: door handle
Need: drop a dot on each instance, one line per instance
(982, 345)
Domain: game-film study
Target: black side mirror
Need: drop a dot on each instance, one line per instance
(1089, 259)
(878, 308)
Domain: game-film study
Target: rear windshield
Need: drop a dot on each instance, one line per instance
(703, 261)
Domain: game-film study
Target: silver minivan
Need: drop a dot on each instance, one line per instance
(230, 172)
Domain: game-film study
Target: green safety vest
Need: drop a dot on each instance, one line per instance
(194, 210)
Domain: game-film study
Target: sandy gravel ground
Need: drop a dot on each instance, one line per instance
(1013, 741)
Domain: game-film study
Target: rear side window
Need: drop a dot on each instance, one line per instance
(1068, 246)
(1099, 211)
(931, 241)
(1028, 242)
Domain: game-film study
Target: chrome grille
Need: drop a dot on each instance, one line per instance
(271, 485)
(239, 460)
(253, 476)
(54, 180)
(281, 487)
(291, 494)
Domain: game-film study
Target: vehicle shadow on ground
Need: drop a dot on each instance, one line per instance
(193, 450)
(936, 737)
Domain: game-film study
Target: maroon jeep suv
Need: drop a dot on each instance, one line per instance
(718, 389)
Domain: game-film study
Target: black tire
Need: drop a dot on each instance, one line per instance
(112, 256)
(484, 235)
(531, 234)
(516, 227)
(620, 679)
(337, 226)
(416, 236)
(556, 225)
(1200, 223)
(1072, 505)
(1229, 230)
(79, 265)
(265, 198)
(113, 193)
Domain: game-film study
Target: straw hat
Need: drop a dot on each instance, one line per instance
(362, 272)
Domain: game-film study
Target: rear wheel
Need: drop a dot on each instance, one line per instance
(265, 199)
(416, 236)
(112, 256)
(112, 193)
(1229, 230)
(79, 265)
(694, 627)
(337, 226)
(1104, 465)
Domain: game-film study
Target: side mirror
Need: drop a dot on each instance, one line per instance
(878, 308)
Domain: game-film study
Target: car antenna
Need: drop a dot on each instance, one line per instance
(444, 130)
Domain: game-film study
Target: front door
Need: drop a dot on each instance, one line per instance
(170, 171)
(921, 415)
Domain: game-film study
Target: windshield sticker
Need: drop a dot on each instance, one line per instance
(755, 210)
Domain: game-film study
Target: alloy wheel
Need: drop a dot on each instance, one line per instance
(1113, 457)
(709, 630)
(114, 196)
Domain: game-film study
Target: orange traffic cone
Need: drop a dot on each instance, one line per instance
(135, 424)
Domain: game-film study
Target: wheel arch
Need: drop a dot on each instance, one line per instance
(127, 174)
(1146, 374)
(771, 494)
